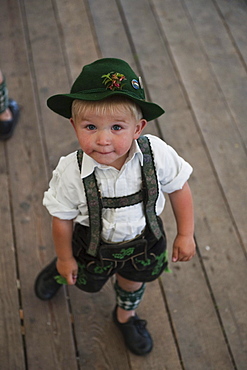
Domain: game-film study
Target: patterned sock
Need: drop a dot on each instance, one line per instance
(4, 101)
(128, 300)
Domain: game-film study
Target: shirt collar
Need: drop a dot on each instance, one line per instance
(89, 164)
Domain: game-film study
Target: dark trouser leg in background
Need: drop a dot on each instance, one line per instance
(9, 111)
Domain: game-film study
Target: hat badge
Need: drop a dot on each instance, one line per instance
(113, 80)
(135, 84)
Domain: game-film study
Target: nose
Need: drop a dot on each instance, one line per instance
(103, 138)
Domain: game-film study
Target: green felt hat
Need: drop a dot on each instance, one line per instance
(101, 79)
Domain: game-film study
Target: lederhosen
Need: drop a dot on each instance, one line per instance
(142, 259)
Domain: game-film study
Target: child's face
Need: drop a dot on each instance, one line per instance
(107, 138)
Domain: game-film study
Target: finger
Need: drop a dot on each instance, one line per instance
(74, 277)
(70, 280)
(175, 254)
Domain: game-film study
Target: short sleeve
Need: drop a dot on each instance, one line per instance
(172, 170)
(62, 197)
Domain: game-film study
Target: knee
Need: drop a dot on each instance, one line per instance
(128, 285)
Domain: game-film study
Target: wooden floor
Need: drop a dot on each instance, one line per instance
(192, 56)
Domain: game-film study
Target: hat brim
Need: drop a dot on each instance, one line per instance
(61, 103)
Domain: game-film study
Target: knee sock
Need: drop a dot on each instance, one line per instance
(4, 101)
(128, 300)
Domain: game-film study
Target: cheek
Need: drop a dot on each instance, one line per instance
(123, 145)
(85, 143)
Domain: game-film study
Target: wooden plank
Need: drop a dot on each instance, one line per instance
(101, 343)
(83, 48)
(49, 64)
(73, 60)
(224, 59)
(162, 87)
(11, 345)
(76, 303)
(181, 122)
(199, 341)
(210, 109)
(225, 264)
(46, 324)
(98, 345)
(109, 31)
(164, 354)
(235, 15)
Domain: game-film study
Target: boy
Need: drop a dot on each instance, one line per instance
(105, 200)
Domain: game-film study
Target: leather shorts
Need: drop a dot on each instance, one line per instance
(142, 259)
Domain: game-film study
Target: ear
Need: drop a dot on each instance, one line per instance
(139, 128)
(72, 123)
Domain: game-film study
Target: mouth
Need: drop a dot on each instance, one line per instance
(104, 153)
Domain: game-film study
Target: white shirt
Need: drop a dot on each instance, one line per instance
(66, 198)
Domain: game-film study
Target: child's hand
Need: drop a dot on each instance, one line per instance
(68, 269)
(184, 248)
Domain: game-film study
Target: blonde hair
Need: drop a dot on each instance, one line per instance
(109, 105)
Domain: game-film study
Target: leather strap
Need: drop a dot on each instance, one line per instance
(148, 194)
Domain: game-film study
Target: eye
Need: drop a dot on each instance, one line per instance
(116, 128)
(91, 127)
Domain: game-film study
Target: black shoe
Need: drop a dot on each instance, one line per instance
(136, 337)
(7, 127)
(45, 285)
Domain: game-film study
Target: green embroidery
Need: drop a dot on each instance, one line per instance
(151, 185)
(94, 210)
(125, 201)
(81, 277)
(144, 263)
(123, 253)
(100, 269)
(60, 279)
(162, 259)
